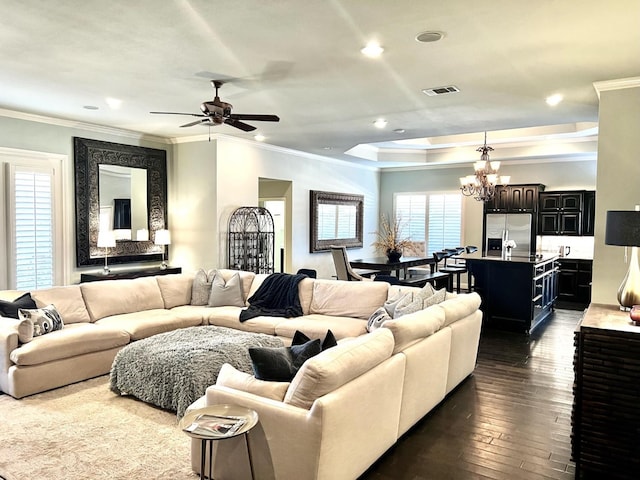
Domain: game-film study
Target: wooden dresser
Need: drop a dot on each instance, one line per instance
(605, 440)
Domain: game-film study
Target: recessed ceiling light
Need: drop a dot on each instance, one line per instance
(259, 138)
(429, 36)
(114, 103)
(326, 148)
(380, 123)
(372, 50)
(399, 130)
(554, 99)
(90, 107)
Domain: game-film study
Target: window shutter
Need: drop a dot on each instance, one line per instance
(33, 247)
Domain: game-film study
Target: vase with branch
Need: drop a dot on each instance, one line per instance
(390, 240)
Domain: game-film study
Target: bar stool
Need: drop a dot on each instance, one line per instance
(455, 269)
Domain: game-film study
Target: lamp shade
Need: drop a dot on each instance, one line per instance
(163, 237)
(106, 238)
(623, 228)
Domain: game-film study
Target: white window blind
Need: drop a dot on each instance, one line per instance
(432, 217)
(32, 216)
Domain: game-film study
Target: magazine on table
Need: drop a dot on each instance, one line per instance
(215, 425)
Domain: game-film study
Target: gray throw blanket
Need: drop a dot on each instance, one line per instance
(173, 369)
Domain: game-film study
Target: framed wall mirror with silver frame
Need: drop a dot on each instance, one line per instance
(336, 219)
(121, 188)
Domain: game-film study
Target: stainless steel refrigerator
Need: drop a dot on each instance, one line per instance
(500, 227)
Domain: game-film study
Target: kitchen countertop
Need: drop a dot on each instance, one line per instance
(531, 259)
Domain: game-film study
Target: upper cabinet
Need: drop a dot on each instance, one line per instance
(514, 199)
(566, 213)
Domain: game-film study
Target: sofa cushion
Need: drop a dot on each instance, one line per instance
(226, 292)
(72, 340)
(336, 366)
(113, 297)
(460, 307)
(282, 363)
(347, 299)
(232, 378)
(68, 301)
(201, 288)
(413, 327)
(305, 292)
(148, 322)
(175, 289)
(316, 326)
(9, 308)
(44, 320)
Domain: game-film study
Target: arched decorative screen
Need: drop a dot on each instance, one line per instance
(251, 240)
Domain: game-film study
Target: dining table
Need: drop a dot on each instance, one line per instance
(399, 268)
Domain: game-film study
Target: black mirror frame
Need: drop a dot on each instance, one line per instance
(88, 154)
(317, 198)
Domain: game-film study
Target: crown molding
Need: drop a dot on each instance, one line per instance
(619, 84)
(91, 127)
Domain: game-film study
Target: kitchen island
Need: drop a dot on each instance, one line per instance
(517, 291)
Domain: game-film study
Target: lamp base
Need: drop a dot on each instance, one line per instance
(629, 291)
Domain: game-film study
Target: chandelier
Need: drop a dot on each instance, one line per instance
(482, 185)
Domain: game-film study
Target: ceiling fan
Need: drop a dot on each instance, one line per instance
(217, 112)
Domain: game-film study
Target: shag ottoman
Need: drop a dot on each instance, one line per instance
(173, 369)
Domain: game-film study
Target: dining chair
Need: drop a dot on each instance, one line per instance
(341, 262)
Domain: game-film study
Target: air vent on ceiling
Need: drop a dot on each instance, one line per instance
(432, 92)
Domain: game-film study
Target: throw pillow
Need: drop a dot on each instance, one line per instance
(227, 293)
(377, 318)
(281, 364)
(391, 304)
(329, 341)
(201, 288)
(45, 320)
(10, 309)
(406, 307)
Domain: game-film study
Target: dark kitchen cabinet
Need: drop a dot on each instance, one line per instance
(560, 213)
(574, 283)
(588, 213)
(515, 199)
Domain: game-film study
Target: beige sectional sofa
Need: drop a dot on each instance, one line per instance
(345, 407)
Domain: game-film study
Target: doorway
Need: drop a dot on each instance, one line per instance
(275, 196)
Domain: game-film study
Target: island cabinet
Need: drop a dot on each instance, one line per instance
(574, 283)
(514, 199)
(605, 420)
(518, 293)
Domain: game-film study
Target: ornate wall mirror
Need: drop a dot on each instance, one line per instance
(121, 188)
(336, 219)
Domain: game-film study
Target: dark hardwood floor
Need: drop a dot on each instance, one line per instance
(510, 420)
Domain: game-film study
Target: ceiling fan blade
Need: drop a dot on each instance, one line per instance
(178, 113)
(197, 122)
(238, 124)
(252, 116)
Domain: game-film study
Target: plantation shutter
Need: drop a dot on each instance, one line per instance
(32, 242)
(432, 217)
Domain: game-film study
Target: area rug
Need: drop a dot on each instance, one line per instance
(173, 369)
(85, 431)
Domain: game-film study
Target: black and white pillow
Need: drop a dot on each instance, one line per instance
(45, 320)
(377, 318)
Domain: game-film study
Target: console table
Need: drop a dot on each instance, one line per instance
(606, 419)
(123, 274)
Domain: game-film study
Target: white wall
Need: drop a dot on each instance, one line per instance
(555, 176)
(238, 166)
(618, 174)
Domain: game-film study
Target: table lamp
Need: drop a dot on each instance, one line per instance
(623, 229)
(106, 239)
(163, 237)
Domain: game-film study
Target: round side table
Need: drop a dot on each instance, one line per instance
(224, 412)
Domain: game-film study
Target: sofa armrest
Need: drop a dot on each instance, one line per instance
(8, 343)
